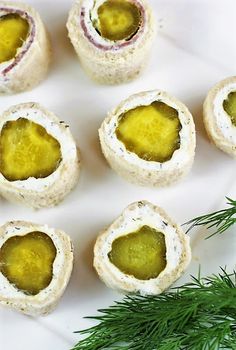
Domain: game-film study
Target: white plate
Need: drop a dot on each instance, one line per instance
(194, 49)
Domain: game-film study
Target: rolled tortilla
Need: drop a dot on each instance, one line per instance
(220, 126)
(142, 171)
(135, 216)
(110, 61)
(30, 64)
(47, 190)
(47, 299)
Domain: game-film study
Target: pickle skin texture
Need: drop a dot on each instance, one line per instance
(27, 150)
(229, 106)
(13, 32)
(118, 20)
(26, 261)
(151, 132)
(141, 254)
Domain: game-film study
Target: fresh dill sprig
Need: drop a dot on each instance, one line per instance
(221, 219)
(200, 315)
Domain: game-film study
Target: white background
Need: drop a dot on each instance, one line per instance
(194, 48)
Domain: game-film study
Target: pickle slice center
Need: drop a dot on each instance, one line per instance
(13, 32)
(141, 254)
(118, 19)
(27, 150)
(151, 132)
(27, 261)
(230, 106)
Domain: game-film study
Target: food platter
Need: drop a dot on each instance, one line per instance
(193, 50)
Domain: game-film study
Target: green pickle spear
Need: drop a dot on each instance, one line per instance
(118, 20)
(13, 32)
(141, 254)
(26, 261)
(230, 106)
(151, 132)
(27, 150)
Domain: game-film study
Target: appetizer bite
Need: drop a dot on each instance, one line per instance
(25, 49)
(39, 161)
(143, 251)
(149, 139)
(112, 38)
(35, 266)
(219, 114)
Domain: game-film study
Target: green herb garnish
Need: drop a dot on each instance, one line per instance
(200, 315)
(221, 219)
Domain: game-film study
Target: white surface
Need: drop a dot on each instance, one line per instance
(194, 49)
